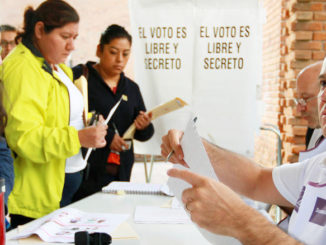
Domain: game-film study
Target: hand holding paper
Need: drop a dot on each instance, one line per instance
(158, 111)
(171, 147)
(93, 136)
(143, 120)
(114, 108)
(206, 199)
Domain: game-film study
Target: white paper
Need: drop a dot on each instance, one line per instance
(197, 159)
(61, 225)
(114, 108)
(159, 215)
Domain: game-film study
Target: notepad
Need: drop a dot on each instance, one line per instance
(137, 188)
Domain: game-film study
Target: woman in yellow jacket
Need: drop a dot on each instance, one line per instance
(38, 105)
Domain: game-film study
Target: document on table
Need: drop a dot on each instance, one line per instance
(61, 225)
(160, 215)
(197, 159)
(122, 232)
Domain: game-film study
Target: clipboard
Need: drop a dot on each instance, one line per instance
(158, 111)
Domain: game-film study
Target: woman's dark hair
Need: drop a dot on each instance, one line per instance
(53, 13)
(113, 32)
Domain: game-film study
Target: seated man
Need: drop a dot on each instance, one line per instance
(306, 101)
(215, 206)
(307, 105)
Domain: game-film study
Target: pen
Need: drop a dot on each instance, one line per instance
(115, 129)
(172, 151)
(117, 132)
(169, 156)
(93, 118)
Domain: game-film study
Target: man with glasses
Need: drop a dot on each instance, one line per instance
(306, 101)
(307, 104)
(7, 39)
(215, 206)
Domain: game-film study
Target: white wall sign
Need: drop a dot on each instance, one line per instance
(209, 54)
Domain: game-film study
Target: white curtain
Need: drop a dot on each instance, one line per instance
(206, 52)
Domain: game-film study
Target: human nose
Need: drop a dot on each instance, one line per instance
(119, 57)
(300, 107)
(71, 45)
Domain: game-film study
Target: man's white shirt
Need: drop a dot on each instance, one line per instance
(304, 185)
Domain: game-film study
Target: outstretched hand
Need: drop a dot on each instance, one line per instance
(211, 204)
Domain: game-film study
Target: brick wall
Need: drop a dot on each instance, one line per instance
(294, 37)
(266, 142)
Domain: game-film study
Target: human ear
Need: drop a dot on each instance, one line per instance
(98, 50)
(39, 29)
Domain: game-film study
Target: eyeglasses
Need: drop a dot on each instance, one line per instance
(4, 43)
(303, 102)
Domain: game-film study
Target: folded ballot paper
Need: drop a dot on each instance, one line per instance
(158, 111)
(197, 159)
(61, 225)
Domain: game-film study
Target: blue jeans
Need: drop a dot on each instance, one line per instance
(6, 167)
(72, 183)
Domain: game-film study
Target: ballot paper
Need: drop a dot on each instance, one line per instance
(158, 111)
(108, 118)
(61, 225)
(197, 159)
(160, 215)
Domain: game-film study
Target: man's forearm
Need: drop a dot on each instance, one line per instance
(256, 229)
(233, 169)
(244, 176)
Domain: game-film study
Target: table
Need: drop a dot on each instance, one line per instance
(150, 234)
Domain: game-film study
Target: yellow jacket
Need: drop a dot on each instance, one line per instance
(37, 103)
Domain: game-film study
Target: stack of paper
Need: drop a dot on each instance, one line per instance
(159, 215)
